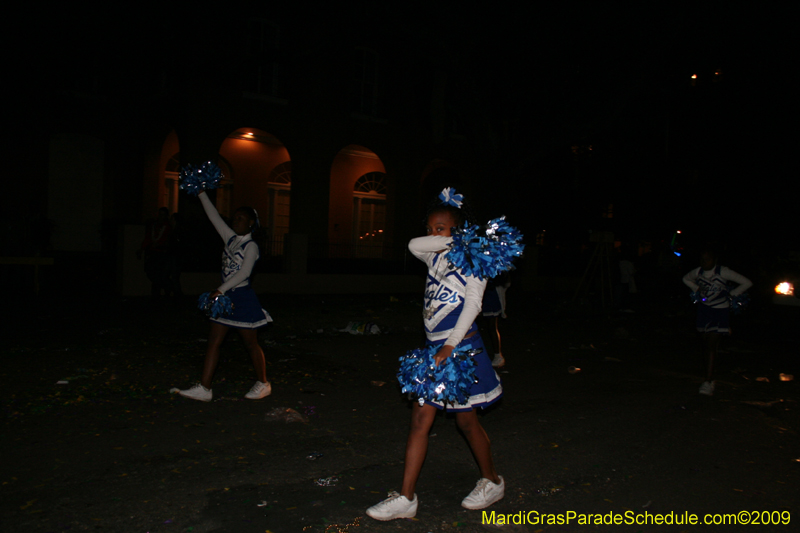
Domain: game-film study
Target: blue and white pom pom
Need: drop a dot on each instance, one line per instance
(217, 307)
(450, 382)
(485, 252)
(195, 180)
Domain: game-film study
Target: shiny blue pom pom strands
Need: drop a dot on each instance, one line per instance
(219, 306)
(196, 179)
(450, 382)
(485, 252)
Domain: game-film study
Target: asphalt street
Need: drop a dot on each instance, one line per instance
(626, 437)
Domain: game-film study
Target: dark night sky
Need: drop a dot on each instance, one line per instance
(617, 76)
(611, 75)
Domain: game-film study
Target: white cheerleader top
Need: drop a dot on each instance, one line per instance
(238, 258)
(452, 300)
(713, 285)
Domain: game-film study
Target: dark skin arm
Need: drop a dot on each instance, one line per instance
(443, 353)
(446, 351)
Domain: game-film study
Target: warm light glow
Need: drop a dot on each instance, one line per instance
(785, 288)
(678, 231)
(694, 76)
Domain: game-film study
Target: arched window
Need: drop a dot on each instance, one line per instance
(279, 187)
(369, 214)
(371, 184)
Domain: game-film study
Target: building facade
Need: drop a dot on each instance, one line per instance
(336, 133)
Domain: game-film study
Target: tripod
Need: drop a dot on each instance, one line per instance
(599, 264)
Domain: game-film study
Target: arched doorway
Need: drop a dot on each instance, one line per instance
(369, 214)
(358, 203)
(260, 168)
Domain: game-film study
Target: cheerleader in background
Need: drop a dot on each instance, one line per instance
(710, 283)
(238, 258)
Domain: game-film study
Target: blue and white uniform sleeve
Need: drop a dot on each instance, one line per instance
(250, 257)
(743, 282)
(472, 307)
(222, 228)
(425, 247)
(689, 278)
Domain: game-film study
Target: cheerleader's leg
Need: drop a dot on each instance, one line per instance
(478, 441)
(422, 418)
(215, 338)
(250, 338)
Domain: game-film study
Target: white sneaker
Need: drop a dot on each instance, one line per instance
(197, 392)
(707, 388)
(395, 506)
(259, 390)
(484, 494)
(498, 360)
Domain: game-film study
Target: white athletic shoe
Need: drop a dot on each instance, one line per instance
(197, 392)
(395, 506)
(498, 360)
(484, 494)
(707, 388)
(259, 390)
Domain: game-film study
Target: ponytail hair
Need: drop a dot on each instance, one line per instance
(252, 214)
(257, 233)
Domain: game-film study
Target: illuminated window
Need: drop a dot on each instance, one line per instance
(373, 183)
(369, 214)
(279, 188)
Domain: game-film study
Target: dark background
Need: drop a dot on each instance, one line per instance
(573, 108)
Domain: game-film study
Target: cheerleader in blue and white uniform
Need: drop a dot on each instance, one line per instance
(238, 258)
(452, 302)
(711, 282)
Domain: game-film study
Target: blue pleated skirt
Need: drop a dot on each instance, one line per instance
(247, 310)
(486, 390)
(491, 305)
(713, 320)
